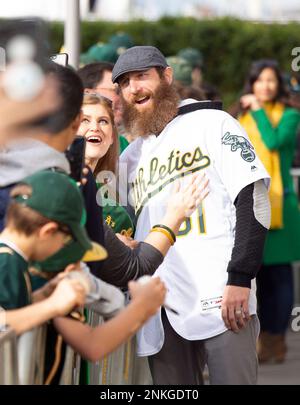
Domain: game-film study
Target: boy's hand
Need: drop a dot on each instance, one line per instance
(48, 288)
(67, 295)
(150, 295)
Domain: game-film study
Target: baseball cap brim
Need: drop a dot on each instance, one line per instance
(97, 252)
(139, 68)
(72, 253)
(93, 251)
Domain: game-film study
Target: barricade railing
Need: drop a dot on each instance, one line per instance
(8, 358)
(122, 367)
(22, 361)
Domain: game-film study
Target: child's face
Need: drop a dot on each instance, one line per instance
(50, 238)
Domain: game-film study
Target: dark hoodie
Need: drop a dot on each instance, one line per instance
(25, 157)
(21, 159)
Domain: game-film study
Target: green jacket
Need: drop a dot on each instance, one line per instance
(283, 245)
(15, 287)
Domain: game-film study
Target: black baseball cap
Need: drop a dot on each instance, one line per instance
(138, 58)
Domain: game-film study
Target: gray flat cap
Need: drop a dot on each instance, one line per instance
(138, 58)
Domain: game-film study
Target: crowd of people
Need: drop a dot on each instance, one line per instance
(199, 200)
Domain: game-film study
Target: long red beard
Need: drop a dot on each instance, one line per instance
(154, 119)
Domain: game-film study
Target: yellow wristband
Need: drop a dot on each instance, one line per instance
(165, 232)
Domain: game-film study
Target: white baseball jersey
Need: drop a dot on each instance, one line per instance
(195, 268)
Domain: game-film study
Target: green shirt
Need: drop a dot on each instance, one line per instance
(123, 143)
(15, 288)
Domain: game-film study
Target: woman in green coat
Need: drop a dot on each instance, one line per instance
(272, 127)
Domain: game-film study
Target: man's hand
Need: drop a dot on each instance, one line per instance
(235, 309)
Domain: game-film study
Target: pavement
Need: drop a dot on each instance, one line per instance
(287, 373)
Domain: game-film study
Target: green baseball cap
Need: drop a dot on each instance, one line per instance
(121, 41)
(57, 197)
(72, 253)
(84, 59)
(117, 218)
(182, 70)
(102, 53)
(192, 56)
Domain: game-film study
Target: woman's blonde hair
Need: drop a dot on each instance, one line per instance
(110, 160)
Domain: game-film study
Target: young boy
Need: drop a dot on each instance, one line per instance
(44, 215)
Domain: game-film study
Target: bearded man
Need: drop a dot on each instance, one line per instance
(210, 271)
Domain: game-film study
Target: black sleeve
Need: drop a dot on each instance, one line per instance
(124, 264)
(94, 223)
(249, 241)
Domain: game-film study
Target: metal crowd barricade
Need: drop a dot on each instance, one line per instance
(31, 356)
(8, 358)
(22, 358)
(22, 361)
(122, 367)
(109, 370)
(71, 370)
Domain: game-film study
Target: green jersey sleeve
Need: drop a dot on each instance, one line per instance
(14, 280)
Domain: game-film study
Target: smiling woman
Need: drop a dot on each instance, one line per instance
(97, 126)
(102, 153)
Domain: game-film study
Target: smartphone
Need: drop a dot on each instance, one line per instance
(76, 156)
(60, 58)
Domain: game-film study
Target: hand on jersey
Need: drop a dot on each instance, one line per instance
(235, 307)
(186, 198)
